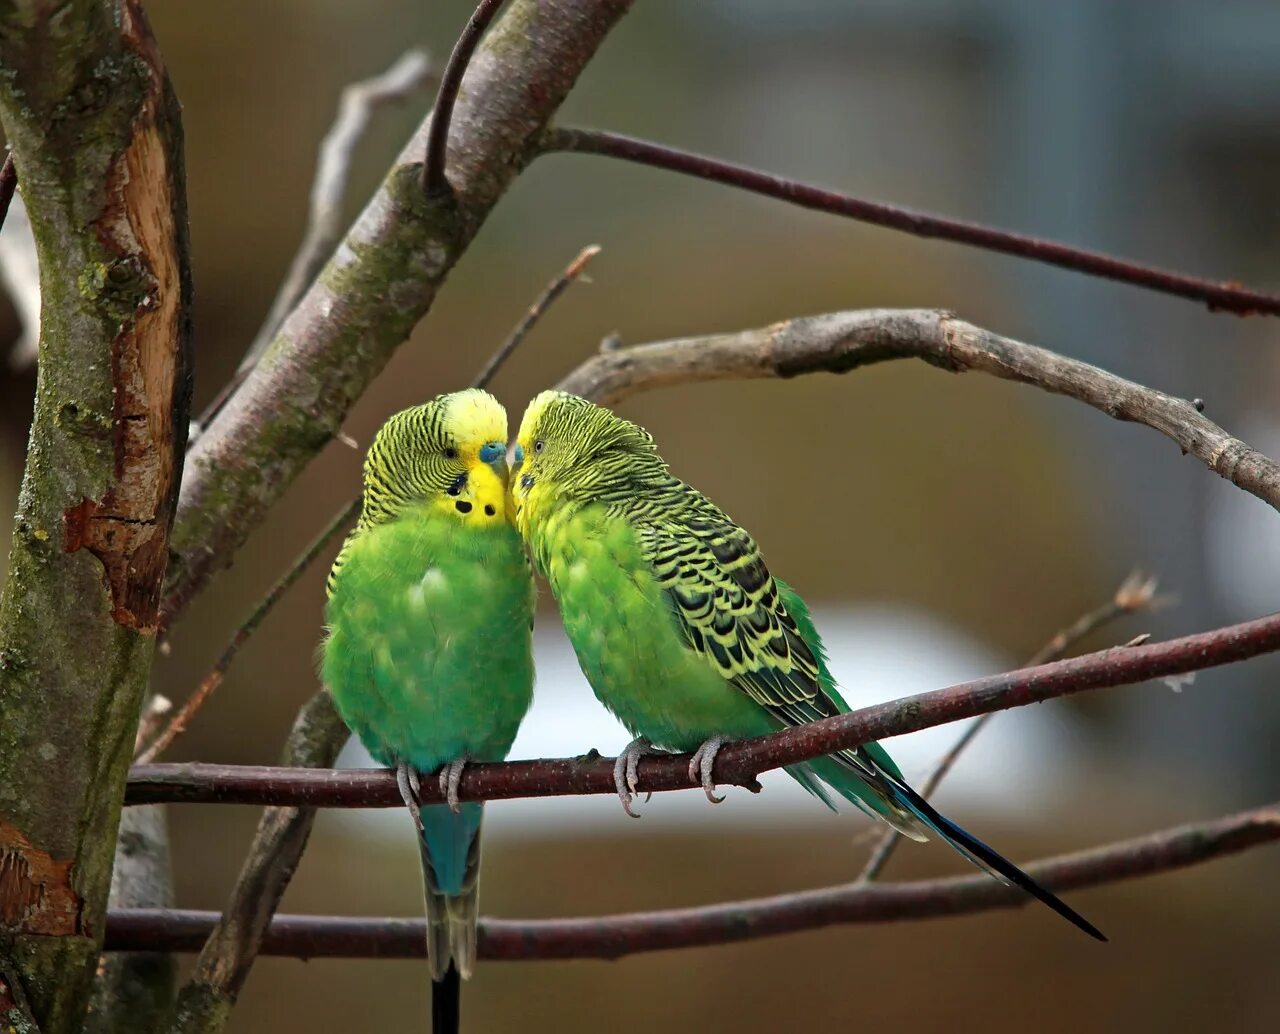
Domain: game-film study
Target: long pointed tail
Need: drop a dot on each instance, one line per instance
(450, 848)
(980, 854)
(446, 1003)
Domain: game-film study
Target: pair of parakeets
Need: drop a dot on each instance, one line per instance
(677, 623)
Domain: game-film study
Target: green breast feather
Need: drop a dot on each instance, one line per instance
(428, 656)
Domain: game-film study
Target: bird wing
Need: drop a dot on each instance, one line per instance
(729, 608)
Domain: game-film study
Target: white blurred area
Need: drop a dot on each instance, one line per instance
(1012, 772)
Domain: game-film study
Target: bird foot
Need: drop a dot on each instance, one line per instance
(625, 772)
(410, 790)
(450, 780)
(701, 764)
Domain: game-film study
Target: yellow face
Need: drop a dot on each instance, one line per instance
(525, 487)
(476, 425)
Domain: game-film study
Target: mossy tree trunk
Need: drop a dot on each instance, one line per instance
(93, 124)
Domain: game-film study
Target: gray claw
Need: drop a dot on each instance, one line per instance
(625, 772)
(407, 781)
(450, 780)
(701, 764)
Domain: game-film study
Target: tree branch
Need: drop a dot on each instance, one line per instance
(356, 108)
(135, 992)
(737, 763)
(205, 1001)
(843, 341)
(94, 126)
(1223, 296)
(382, 279)
(1134, 594)
(433, 162)
(616, 936)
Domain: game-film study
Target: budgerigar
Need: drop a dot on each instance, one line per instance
(679, 626)
(428, 655)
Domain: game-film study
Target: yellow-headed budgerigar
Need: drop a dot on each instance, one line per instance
(679, 626)
(428, 655)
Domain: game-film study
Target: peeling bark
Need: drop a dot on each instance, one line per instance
(93, 124)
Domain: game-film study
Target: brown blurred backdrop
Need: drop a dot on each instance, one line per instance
(981, 508)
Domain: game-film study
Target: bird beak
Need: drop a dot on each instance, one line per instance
(499, 467)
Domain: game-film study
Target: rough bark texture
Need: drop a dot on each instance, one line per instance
(379, 283)
(94, 127)
(134, 992)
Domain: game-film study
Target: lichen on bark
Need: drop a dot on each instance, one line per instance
(93, 124)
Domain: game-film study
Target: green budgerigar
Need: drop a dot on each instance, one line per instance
(681, 629)
(428, 654)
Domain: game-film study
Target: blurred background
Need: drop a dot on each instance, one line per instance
(961, 521)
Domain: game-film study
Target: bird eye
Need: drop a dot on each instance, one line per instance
(451, 453)
(539, 445)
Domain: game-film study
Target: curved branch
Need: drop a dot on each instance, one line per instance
(1217, 295)
(615, 936)
(843, 341)
(737, 763)
(433, 178)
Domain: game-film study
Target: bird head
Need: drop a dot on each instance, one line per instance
(447, 455)
(570, 446)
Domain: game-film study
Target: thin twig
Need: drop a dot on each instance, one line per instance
(843, 341)
(737, 763)
(1225, 296)
(341, 520)
(521, 330)
(615, 936)
(1135, 593)
(8, 183)
(178, 723)
(433, 178)
(356, 108)
(154, 711)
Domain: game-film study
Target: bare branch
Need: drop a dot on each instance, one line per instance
(381, 280)
(1223, 296)
(356, 108)
(737, 763)
(616, 936)
(433, 163)
(205, 1001)
(135, 992)
(843, 341)
(540, 305)
(1134, 594)
(210, 683)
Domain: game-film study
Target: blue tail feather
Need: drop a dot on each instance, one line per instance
(448, 840)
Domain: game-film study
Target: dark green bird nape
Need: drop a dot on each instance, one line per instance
(668, 602)
(428, 654)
